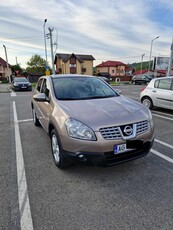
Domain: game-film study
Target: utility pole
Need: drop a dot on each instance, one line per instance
(170, 60)
(45, 42)
(151, 52)
(51, 46)
(142, 62)
(7, 63)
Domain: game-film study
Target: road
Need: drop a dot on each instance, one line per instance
(35, 194)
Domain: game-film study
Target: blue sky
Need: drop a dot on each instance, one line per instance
(118, 30)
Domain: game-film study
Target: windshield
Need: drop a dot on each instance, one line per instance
(80, 88)
(20, 80)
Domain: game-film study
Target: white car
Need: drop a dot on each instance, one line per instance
(159, 93)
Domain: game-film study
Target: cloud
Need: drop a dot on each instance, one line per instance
(107, 29)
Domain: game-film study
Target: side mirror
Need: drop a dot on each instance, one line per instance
(117, 91)
(40, 97)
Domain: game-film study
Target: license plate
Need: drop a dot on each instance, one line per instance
(120, 148)
(23, 87)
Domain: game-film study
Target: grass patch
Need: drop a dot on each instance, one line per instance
(34, 85)
(120, 83)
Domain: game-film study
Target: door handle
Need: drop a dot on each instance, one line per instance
(154, 91)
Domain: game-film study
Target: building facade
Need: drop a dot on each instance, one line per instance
(74, 63)
(114, 68)
(5, 69)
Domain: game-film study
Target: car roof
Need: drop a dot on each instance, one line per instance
(68, 75)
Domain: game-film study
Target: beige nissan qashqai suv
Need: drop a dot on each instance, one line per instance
(89, 122)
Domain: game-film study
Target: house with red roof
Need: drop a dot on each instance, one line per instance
(115, 69)
(143, 72)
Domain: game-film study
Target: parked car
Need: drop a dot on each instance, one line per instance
(89, 122)
(159, 93)
(21, 83)
(141, 79)
(105, 79)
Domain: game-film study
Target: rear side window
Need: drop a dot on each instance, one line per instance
(163, 84)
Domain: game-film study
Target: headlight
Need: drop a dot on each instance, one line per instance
(29, 84)
(78, 130)
(151, 119)
(15, 84)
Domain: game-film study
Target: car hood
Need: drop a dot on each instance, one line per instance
(97, 113)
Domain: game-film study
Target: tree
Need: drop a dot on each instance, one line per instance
(16, 69)
(36, 65)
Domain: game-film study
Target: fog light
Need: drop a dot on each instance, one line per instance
(82, 158)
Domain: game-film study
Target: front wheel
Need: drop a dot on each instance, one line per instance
(35, 119)
(57, 151)
(147, 102)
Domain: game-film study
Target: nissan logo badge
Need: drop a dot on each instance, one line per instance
(128, 130)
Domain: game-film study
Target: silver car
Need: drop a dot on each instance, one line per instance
(159, 93)
(89, 122)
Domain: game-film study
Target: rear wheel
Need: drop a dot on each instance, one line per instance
(147, 102)
(57, 151)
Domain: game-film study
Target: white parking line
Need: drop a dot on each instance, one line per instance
(24, 207)
(13, 94)
(20, 121)
(163, 143)
(162, 156)
(167, 118)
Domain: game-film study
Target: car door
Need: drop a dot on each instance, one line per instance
(162, 93)
(36, 103)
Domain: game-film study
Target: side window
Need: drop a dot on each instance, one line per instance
(156, 83)
(45, 88)
(163, 84)
(39, 84)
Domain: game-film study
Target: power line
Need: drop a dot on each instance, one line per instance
(24, 38)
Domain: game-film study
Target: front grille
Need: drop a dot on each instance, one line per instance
(111, 133)
(115, 132)
(142, 127)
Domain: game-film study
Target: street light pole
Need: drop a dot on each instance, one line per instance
(151, 52)
(45, 41)
(51, 46)
(170, 60)
(7, 63)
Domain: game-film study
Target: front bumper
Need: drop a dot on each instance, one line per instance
(23, 88)
(108, 158)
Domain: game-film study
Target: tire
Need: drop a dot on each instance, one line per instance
(58, 157)
(35, 119)
(147, 102)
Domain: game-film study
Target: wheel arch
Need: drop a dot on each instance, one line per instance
(148, 97)
(51, 127)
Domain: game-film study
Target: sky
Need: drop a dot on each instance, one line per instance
(116, 30)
